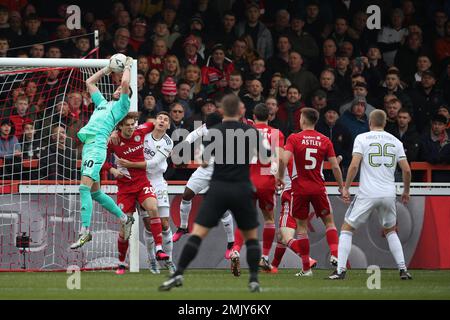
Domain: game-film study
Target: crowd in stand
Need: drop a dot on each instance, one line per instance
(286, 54)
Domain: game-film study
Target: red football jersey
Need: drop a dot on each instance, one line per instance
(310, 149)
(132, 150)
(275, 138)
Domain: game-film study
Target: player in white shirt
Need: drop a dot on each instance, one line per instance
(199, 181)
(157, 148)
(378, 152)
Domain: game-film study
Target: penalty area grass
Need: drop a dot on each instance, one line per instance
(222, 285)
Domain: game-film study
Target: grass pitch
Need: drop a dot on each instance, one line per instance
(220, 284)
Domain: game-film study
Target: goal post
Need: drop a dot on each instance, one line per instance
(49, 219)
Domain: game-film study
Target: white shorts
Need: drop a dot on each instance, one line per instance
(199, 180)
(360, 210)
(161, 192)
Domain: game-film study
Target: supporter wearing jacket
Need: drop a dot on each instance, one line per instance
(216, 72)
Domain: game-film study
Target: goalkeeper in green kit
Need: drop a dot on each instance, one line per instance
(95, 135)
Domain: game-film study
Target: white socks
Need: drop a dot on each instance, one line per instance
(150, 243)
(344, 248)
(185, 209)
(396, 249)
(167, 242)
(228, 225)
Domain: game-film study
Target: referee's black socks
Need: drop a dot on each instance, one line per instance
(188, 254)
(253, 256)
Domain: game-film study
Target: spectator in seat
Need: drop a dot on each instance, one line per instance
(53, 51)
(406, 132)
(177, 117)
(120, 44)
(340, 33)
(442, 46)
(301, 78)
(289, 112)
(343, 74)
(205, 106)
(253, 97)
(142, 64)
(376, 68)
(274, 82)
(272, 105)
(327, 84)
(235, 84)
(33, 31)
(314, 23)
(159, 52)
(37, 51)
(258, 72)
(191, 45)
(9, 144)
(435, 146)
(216, 72)
(390, 38)
(239, 57)
(153, 81)
(408, 54)
(280, 61)
(183, 91)
(20, 115)
(58, 159)
(282, 18)
(392, 109)
(423, 64)
(283, 86)
(226, 33)
(148, 108)
(77, 109)
(169, 95)
(445, 111)
(339, 135)
(359, 90)
(393, 85)
(302, 41)
(426, 99)
(355, 119)
(138, 36)
(171, 69)
(193, 76)
(4, 47)
(319, 100)
(83, 47)
(30, 147)
(260, 34)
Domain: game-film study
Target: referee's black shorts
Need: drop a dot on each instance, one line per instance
(234, 196)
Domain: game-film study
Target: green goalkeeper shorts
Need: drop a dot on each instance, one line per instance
(92, 159)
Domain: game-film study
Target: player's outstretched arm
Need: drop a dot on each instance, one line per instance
(406, 174)
(92, 80)
(125, 82)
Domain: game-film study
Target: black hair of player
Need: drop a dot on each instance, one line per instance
(212, 119)
(261, 112)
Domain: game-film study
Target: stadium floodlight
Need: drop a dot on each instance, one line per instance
(33, 188)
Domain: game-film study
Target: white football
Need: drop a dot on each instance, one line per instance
(117, 62)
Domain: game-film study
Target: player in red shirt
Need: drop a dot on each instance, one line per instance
(133, 184)
(263, 179)
(310, 148)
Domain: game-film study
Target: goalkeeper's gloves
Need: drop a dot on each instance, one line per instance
(106, 70)
(129, 62)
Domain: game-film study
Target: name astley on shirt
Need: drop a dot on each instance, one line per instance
(311, 141)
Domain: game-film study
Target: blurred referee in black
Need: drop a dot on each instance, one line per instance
(230, 189)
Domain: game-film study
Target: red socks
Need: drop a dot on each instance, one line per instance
(301, 248)
(156, 229)
(280, 249)
(268, 236)
(122, 245)
(333, 240)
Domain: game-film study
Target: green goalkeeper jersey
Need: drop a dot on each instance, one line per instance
(104, 119)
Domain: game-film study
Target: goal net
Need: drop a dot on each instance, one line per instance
(43, 104)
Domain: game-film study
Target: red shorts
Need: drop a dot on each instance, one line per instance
(300, 205)
(266, 198)
(126, 200)
(286, 219)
